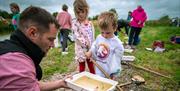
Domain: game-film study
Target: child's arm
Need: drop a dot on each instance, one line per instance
(90, 53)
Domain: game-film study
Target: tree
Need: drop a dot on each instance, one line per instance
(114, 11)
(5, 14)
(95, 17)
(55, 14)
(165, 20)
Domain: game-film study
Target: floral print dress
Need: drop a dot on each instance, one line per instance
(84, 37)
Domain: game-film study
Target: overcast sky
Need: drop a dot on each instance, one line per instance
(154, 8)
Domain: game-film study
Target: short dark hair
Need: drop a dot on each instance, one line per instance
(35, 16)
(64, 7)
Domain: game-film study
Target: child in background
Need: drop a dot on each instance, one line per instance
(15, 10)
(84, 34)
(107, 49)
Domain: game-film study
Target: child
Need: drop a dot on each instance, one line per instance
(107, 49)
(84, 34)
(15, 10)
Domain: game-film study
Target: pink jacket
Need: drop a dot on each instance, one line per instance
(139, 17)
(64, 19)
(17, 73)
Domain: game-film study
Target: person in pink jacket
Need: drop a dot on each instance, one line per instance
(64, 19)
(138, 19)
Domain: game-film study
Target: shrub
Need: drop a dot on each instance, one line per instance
(5, 27)
(163, 21)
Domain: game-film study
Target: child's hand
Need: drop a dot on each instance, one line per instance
(88, 54)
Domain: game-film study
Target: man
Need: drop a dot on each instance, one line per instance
(21, 55)
(64, 19)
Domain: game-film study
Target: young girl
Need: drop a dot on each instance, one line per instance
(84, 34)
(15, 10)
(107, 49)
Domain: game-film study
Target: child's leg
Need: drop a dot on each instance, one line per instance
(81, 66)
(90, 66)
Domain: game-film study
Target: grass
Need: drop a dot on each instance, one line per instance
(54, 62)
(5, 28)
(167, 63)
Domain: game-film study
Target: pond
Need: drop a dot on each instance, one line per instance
(3, 37)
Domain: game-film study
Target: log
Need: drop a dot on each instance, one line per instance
(148, 70)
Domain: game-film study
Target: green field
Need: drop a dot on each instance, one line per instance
(167, 63)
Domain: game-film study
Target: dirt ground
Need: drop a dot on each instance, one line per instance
(126, 75)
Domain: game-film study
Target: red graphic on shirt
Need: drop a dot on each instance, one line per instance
(102, 51)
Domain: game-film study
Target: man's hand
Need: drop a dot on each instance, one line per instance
(63, 82)
(49, 86)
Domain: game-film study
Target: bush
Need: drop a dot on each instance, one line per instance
(163, 21)
(5, 27)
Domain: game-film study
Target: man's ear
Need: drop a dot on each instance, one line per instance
(32, 32)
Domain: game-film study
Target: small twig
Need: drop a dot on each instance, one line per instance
(119, 88)
(102, 70)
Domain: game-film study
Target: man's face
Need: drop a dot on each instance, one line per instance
(46, 40)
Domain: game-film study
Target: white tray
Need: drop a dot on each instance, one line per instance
(128, 58)
(128, 50)
(91, 83)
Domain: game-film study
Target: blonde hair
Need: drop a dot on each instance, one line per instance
(107, 18)
(81, 5)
